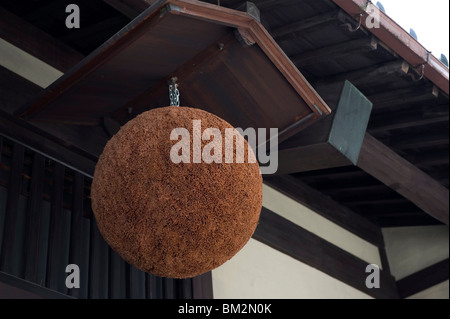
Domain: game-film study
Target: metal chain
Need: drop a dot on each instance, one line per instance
(174, 93)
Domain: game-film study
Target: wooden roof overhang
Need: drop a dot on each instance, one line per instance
(402, 42)
(225, 62)
(402, 168)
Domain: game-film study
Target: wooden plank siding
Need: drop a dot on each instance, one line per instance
(46, 223)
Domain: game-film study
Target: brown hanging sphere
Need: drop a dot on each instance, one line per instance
(173, 220)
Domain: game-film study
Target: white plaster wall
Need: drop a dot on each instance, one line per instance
(261, 272)
(411, 249)
(320, 226)
(437, 292)
(26, 65)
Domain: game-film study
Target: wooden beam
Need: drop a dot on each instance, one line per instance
(15, 90)
(293, 240)
(418, 139)
(375, 202)
(251, 9)
(27, 289)
(333, 142)
(434, 158)
(388, 167)
(402, 208)
(364, 75)
(406, 221)
(336, 51)
(384, 260)
(295, 29)
(394, 36)
(408, 118)
(37, 43)
(344, 184)
(40, 141)
(394, 171)
(402, 97)
(354, 191)
(424, 279)
(130, 8)
(60, 142)
(326, 207)
(100, 26)
(274, 4)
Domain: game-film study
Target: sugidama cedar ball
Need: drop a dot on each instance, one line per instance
(175, 220)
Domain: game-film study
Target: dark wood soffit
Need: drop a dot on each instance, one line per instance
(130, 8)
(254, 32)
(399, 41)
(37, 43)
(36, 139)
(89, 64)
(250, 29)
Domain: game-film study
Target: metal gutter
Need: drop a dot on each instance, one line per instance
(394, 36)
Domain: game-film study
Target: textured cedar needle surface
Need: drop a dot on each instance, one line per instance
(173, 220)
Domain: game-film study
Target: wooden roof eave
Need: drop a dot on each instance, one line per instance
(248, 27)
(254, 32)
(394, 36)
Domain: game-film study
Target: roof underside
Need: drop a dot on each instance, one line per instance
(410, 113)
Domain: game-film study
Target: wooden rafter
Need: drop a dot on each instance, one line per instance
(336, 51)
(399, 40)
(289, 31)
(130, 8)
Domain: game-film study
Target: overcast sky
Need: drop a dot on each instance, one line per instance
(428, 18)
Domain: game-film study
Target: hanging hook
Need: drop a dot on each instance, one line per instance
(174, 93)
(350, 27)
(359, 25)
(422, 75)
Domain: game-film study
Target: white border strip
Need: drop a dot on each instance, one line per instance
(26, 65)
